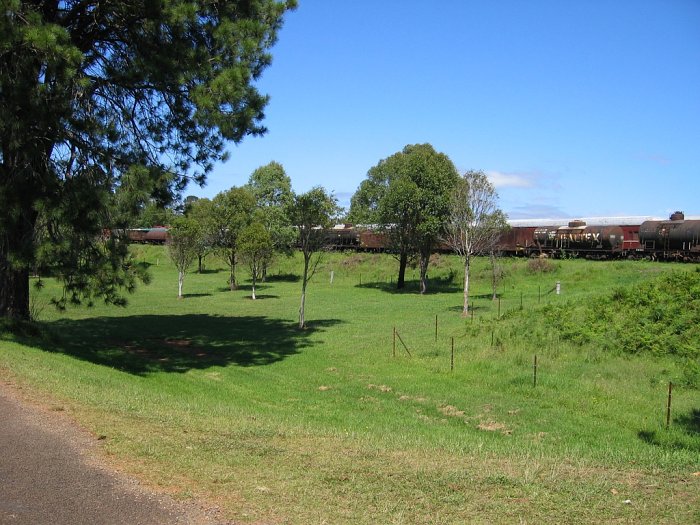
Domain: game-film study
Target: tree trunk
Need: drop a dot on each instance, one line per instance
(16, 243)
(199, 263)
(180, 280)
(304, 280)
(494, 277)
(254, 272)
(424, 260)
(403, 261)
(14, 291)
(232, 265)
(465, 308)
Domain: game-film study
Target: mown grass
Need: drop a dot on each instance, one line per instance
(222, 397)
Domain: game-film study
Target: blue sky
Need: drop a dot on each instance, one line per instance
(573, 108)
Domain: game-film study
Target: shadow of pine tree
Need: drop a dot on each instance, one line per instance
(176, 343)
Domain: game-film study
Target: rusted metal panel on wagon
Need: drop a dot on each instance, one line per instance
(685, 236)
(374, 241)
(157, 235)
(517, 240)
(582, 237)
(631, 237)
(343, 237)
(675, 234)
(545, 237)
(137, 234)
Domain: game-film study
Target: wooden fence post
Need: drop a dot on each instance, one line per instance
(404, 344)
(668, 406)
(534, 373)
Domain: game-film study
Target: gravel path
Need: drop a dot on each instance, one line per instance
(50, 474)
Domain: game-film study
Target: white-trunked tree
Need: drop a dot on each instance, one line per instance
(475, 221)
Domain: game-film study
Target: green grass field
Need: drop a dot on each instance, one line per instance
(221, 397)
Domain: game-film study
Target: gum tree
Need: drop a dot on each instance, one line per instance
(272, 189)
(256, 248)
(310, 213)
(408, 194)
(232, 211)
(183, 238)
(475, 221)
(201, 211)
(98, 98)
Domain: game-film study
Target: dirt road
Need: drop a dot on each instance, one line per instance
(50, 474)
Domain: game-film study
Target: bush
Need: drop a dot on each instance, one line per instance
(661, 317)
(541, 265)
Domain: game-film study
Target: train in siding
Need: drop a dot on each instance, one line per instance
(155, 235)
(674, 239)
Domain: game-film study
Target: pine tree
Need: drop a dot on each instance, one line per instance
(100, 98)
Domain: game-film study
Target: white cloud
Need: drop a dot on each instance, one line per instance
(510, 180)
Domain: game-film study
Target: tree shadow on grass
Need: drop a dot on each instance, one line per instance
(282, 278)
(436, 285)
(207, 271)
(242, 287)
(690, 422)
(472, 307)
(688, 438)
(144, 344)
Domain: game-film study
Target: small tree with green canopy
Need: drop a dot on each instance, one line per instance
(183, 238)
(256, 247)
(272, 189)
(475, 221)
(153, 214)
(201, 211)
(232, 211)
(91, 91)
(310, 213)
(408, 194)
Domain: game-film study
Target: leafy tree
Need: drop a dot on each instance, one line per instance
(272, 189)
(256, 247)
(475, 222)
(408, 195)
(232, 211)
(189, 201)
(89, 91)
(143, 198)
(201, 211)
(271, 186)
(310, 213)
(152, 214)
(183, 237)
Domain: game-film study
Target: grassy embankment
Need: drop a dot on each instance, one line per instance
(222, 397)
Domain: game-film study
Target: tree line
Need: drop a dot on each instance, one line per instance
(415, 197)
(252, 223)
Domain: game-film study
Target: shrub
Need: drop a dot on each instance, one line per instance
(541, 265)
(661, 317)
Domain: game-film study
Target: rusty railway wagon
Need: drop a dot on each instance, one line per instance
(155, 235)
(675, 239)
